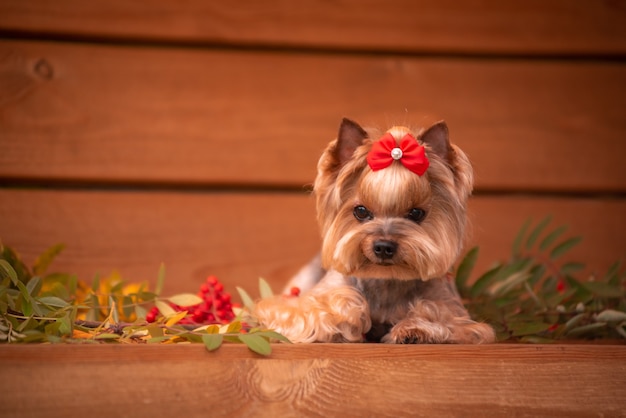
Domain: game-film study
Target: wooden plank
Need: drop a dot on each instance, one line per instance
(192, 116)
(313, 380)
(240, 237)
(237, 237)
(487, 27)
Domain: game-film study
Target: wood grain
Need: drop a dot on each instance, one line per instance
(487, 27)
(93, 113)
(243, 236)
(313, 380)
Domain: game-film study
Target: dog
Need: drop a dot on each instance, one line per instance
(392, 211)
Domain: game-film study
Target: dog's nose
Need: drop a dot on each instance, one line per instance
(385, 249)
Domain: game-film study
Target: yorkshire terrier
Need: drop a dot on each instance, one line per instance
(392, 213)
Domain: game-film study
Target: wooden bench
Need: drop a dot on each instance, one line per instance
(148, 132)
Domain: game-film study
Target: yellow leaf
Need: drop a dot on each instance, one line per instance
(175, 318)
(81, 335)
(212, 329)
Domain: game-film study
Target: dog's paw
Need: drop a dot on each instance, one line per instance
(472, 332)
(418, 331)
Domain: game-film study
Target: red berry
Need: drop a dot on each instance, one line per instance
(198, 315)
(212, 280)
(210, 317)
(150, 317)
(218, 287)
(295, 291)
(225, 297)
(204, 288)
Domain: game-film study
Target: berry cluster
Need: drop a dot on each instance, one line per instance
(216, 307)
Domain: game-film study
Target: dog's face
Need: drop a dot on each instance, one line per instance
(391, 222)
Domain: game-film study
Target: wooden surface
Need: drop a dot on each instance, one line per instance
(313, 380)
(110, 114)
(243, 236)
(558, 27)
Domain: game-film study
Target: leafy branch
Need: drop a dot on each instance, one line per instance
(36, 306)
(536, 297)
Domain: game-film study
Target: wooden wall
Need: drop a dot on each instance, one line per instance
(188, 132)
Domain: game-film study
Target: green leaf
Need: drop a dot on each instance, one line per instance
(107, 336)
(572, 267)
(532, 237)
(536, 273)
(612, 275)
(155, 331)
(95, 284)
(503, 287)
(256, 343)
(117, 287)
(245, 298)
(160, 279)
(45, 259)
(185, 299)
(517, 242)
(158, 339)
(586, 329)
(273, 335)
(34, 285)
(611, 316)
(127, 306)
(212, 341)
(551, 237)
(6, 270)
(564, 247)
(573, 322)
(465, 269)
(264, 289)
(66, 325)
(528, 328)
(53, 301)
(604, 290)
(165, 309)
(140, 312)
(31, 304)
(11, 257)
(484, 281)
(72, 284)
(93, 314)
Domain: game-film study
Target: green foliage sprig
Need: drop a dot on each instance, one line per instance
(36, 306)
(536, 297)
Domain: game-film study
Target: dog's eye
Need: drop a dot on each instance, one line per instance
(362, 214)
(417, 215)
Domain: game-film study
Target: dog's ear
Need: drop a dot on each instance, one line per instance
(350, 137)
(437, 139)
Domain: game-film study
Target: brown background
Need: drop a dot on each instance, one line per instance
(187, 133)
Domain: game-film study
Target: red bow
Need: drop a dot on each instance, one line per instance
(410, 153)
